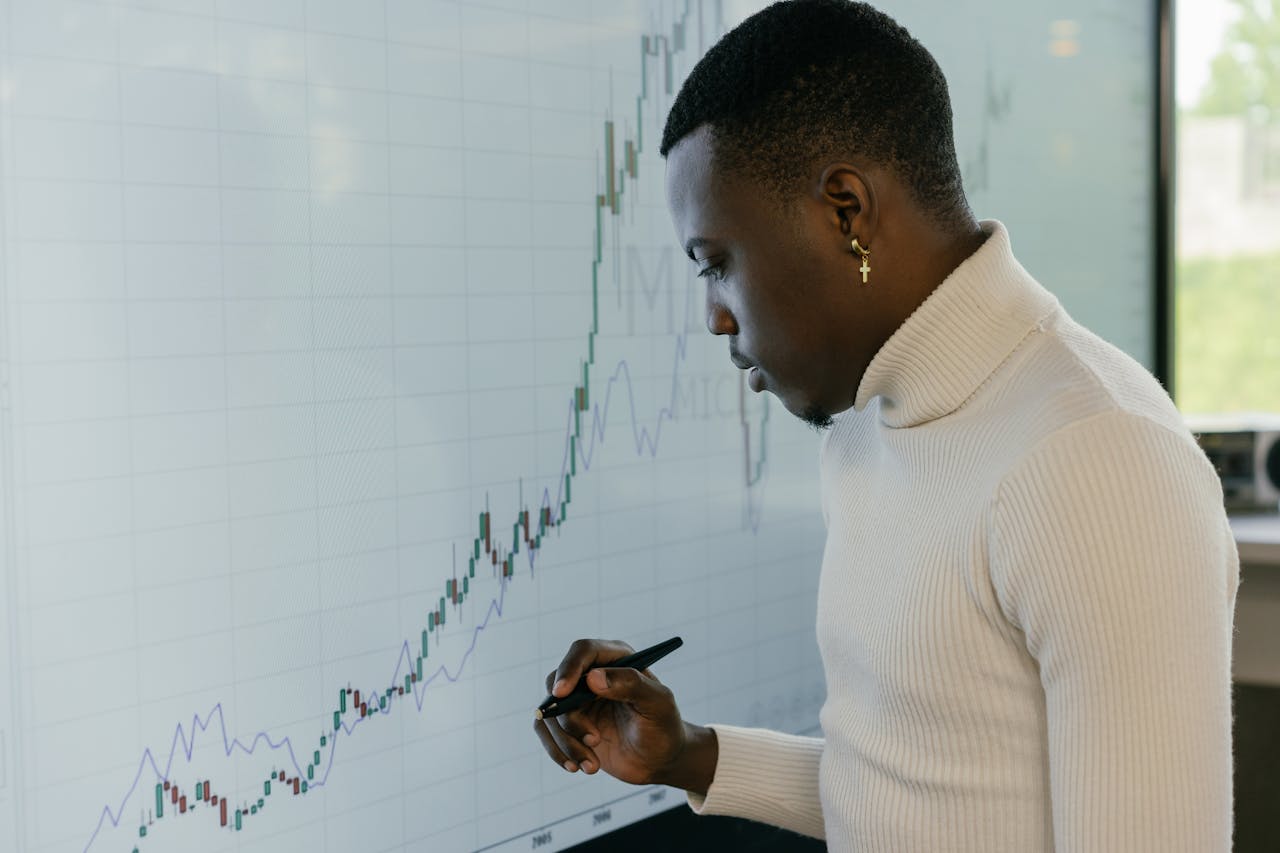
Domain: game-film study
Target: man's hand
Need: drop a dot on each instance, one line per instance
(632, 730)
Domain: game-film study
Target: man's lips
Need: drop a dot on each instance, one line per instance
(755, 379)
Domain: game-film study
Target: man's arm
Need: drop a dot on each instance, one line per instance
(766, 776)
(1111, 551)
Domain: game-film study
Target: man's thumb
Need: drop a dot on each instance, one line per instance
(623, 684)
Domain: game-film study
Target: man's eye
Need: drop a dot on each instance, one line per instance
(713, 271)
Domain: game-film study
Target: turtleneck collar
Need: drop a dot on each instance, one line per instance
(957, 337)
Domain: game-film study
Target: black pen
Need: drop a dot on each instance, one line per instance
(581, 695)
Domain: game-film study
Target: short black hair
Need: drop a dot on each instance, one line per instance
(807, 80)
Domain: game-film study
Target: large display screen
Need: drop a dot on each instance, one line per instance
(350, 370)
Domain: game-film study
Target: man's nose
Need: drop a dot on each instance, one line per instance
(719, 320)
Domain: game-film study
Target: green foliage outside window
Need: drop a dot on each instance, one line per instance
(1227, 334)
(1227, 304)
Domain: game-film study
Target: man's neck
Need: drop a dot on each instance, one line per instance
(935, 255)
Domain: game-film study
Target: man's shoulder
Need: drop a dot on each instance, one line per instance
(1077, 394)
(1061, 377)
(1065, 375)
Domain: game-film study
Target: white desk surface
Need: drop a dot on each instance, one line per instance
(1255, 657)
(1257, 538)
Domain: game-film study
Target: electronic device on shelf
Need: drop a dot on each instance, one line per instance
(1245, 450)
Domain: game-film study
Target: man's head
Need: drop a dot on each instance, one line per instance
(811, 123)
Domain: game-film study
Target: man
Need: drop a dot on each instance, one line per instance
(1028, 584)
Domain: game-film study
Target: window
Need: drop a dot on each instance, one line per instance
(1227, 268)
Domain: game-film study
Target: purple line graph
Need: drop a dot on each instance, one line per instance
(646, 438)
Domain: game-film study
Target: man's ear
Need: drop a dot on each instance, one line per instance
(850, 196)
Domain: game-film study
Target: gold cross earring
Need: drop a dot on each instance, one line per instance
(865, 269)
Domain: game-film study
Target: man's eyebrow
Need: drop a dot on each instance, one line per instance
(694, 243)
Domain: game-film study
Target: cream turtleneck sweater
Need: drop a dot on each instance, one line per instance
(1026, 600)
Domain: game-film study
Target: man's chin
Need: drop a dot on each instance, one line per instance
(814, 414)
(816, 417)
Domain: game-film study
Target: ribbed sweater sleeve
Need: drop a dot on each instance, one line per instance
(1110, 550)
(766, 776)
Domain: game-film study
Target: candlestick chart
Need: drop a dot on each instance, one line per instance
(350, 370)
(220, 777)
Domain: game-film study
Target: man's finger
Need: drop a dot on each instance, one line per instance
(552, 749)
(640, 690)
(579, 725)
(582, 655)
(577, 752)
